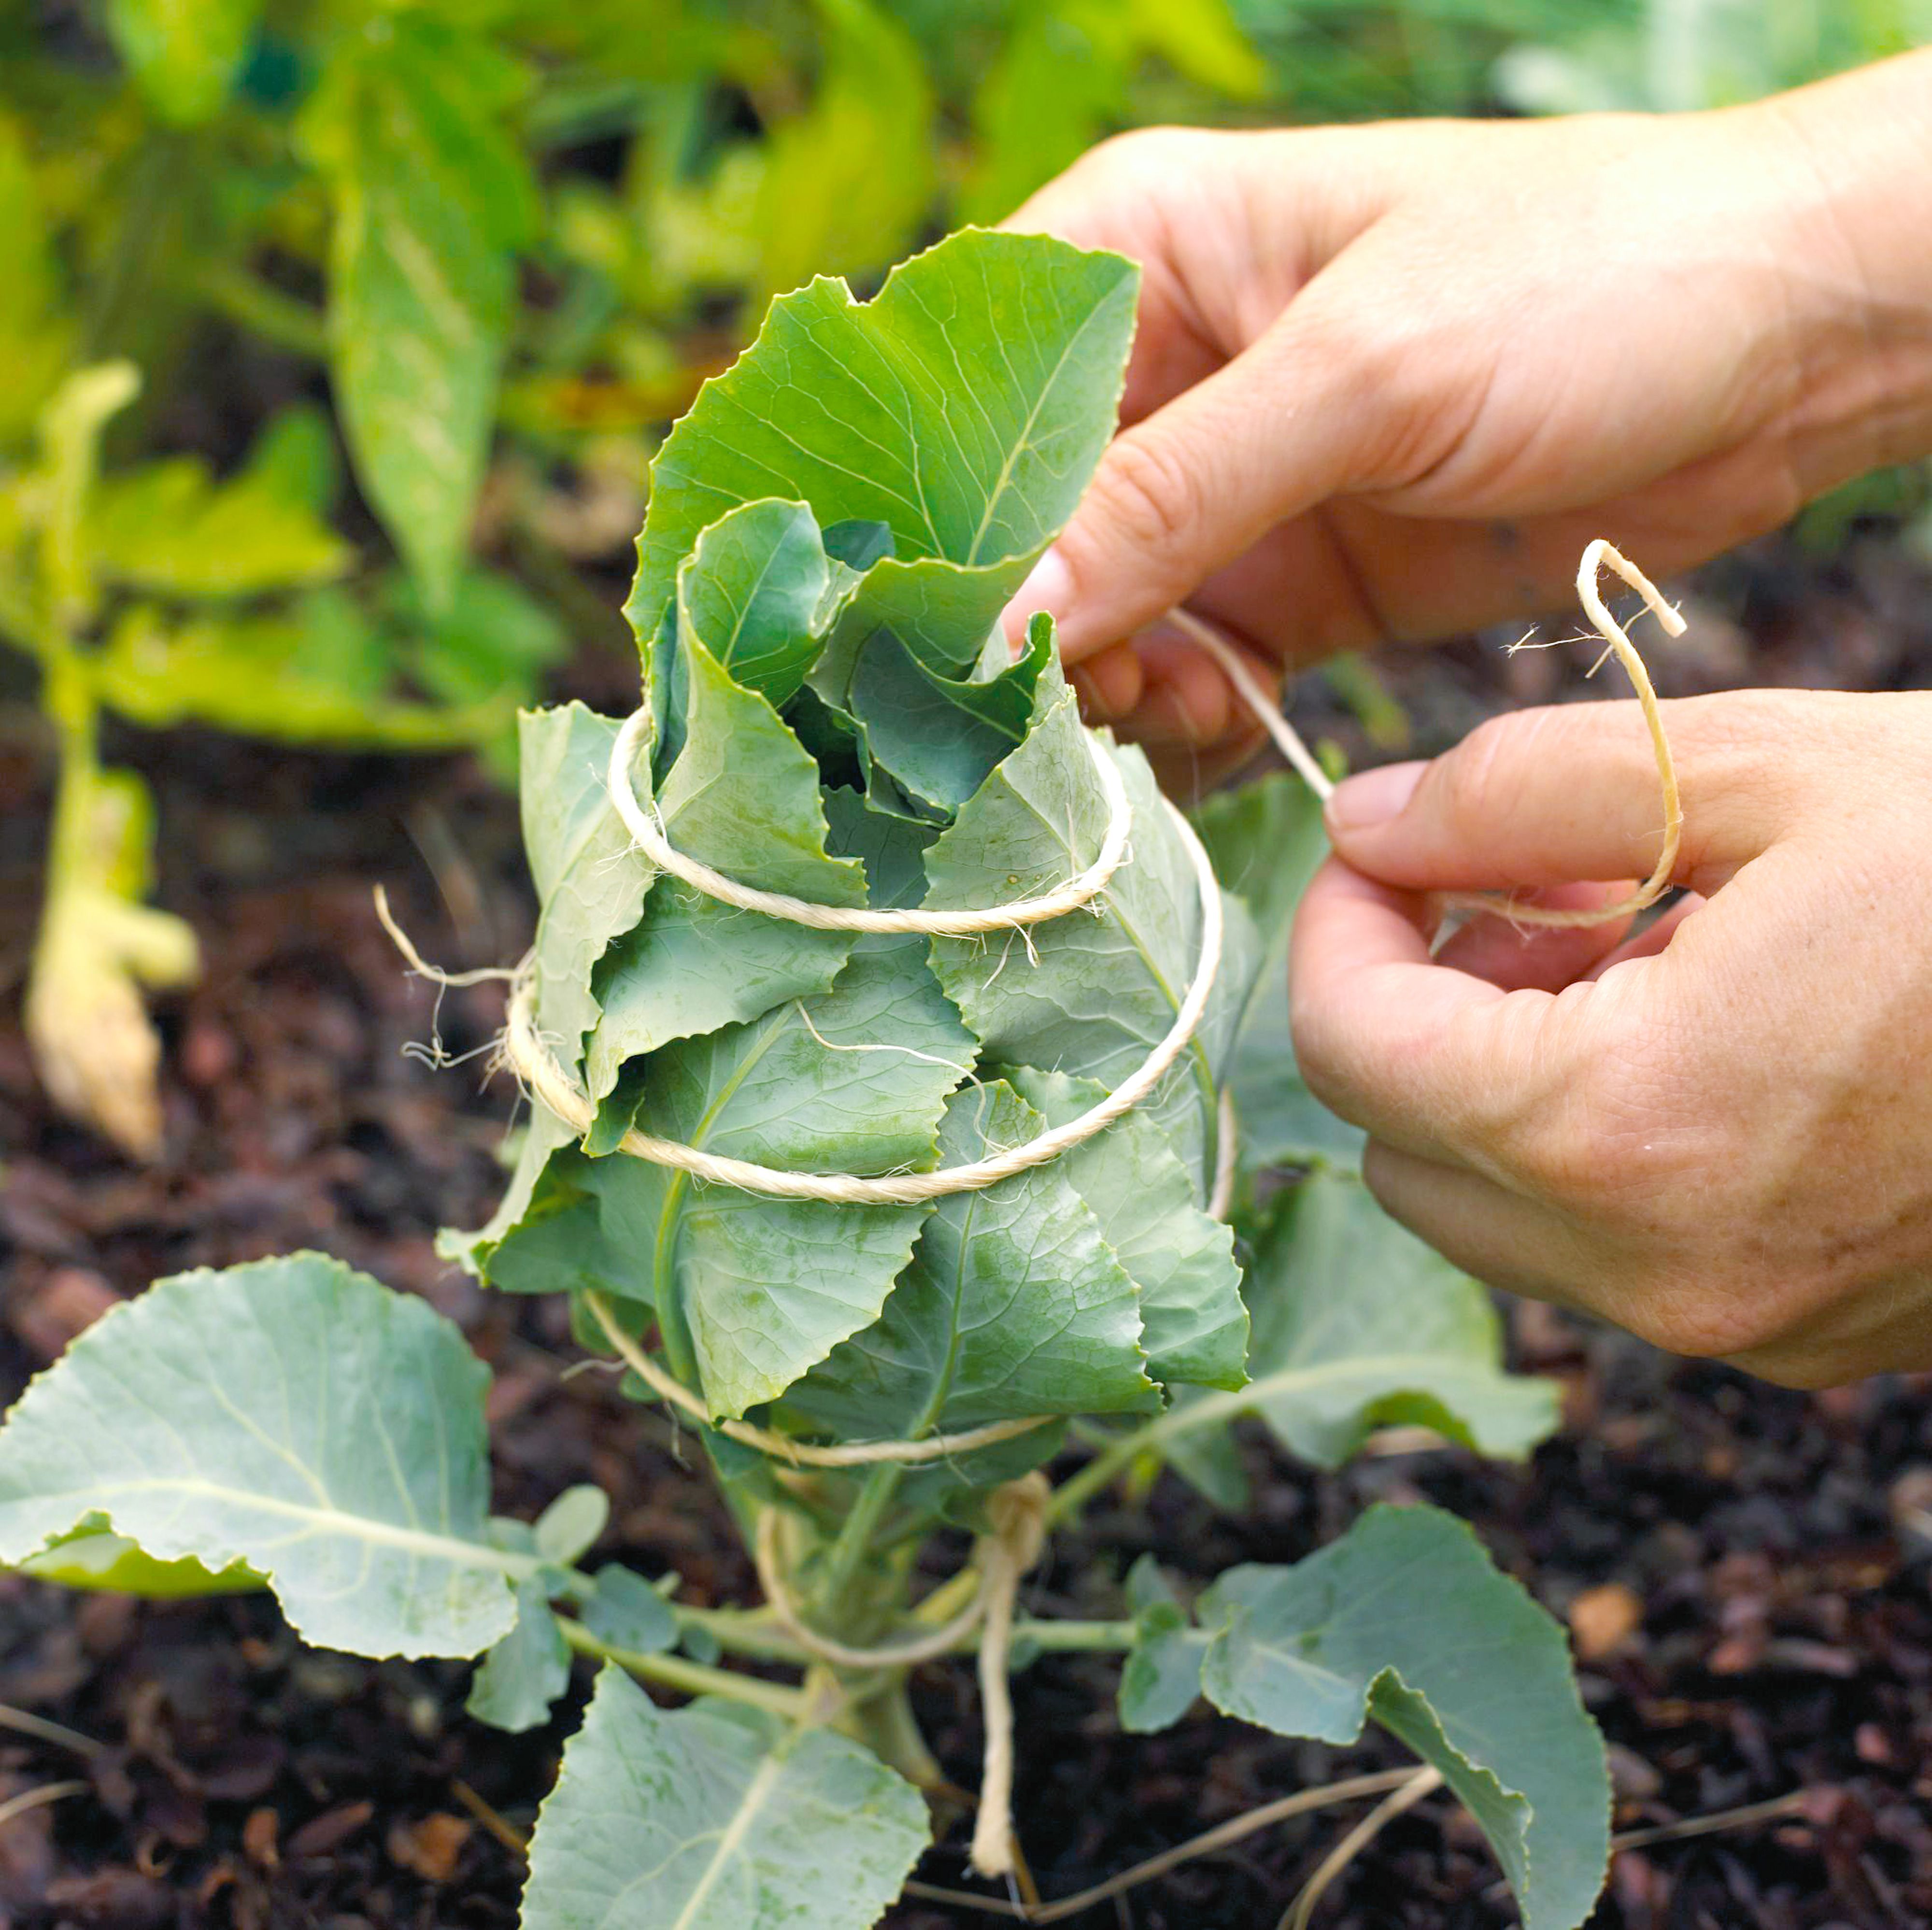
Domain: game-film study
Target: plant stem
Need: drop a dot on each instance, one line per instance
(1073, 1493)
(855, 1533)
(692, 1677)
(267, 311)
(1070, 1637)
(743, 1631)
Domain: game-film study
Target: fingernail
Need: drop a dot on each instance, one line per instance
(1050, 587)
(1361, 803)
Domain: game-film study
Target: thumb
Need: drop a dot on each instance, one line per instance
(1190, 487)
(1555, 796)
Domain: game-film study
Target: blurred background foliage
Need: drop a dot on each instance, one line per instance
(337, 334)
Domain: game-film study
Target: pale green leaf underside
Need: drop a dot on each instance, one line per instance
(591, 883)
(429, 199)
(716, 1817)
(1405, 1620)
(291, 1415)
(1358, 1324)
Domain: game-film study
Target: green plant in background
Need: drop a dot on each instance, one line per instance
(830, 712)
(413, 213)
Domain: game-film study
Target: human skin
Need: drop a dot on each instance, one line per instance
(1390, 381)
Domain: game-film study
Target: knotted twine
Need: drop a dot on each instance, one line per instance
(1016, 1509)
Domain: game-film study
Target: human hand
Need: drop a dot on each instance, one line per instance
(1389, 380)
(1718, 1134)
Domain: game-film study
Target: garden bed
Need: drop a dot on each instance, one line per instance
(1758, 1544)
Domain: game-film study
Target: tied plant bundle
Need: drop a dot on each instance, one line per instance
(912, 1109)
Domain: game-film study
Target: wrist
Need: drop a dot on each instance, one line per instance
(1853, 158)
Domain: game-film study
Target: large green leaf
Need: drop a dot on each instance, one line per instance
(964, 408)
(314, 674)
(292, 1415)
(35, 336)
(742, 796)
(1405, 1620)
(854, 1080)
(185, 53)
(431, 198)
(1014, 1305)
(1090, 995)
(1358, 1325)
(1195, 1324)
(716, 1817)
(1266, 839)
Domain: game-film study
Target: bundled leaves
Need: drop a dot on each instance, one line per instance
(829, 711)
(833, 530)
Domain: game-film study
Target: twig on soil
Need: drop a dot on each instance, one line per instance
(33, 1799)
(1420, 1783)
(1792, 1804)
(24, 1722)
(516, 1841)
(1219, 1837)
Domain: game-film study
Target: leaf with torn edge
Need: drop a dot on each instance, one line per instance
(1405, 1620)
(963, 408)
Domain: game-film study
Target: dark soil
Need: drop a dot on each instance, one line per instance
(1744, 1568)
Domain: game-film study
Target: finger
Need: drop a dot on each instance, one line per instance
(1496, 1235)
(1189, 700)
(1549, 797)
(1520, 958)
(1436, 1062)
(1179, 495)
(1110, 684)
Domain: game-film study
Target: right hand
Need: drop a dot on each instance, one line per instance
(1390, 380)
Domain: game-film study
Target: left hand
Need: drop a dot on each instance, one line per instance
(1718, 1134)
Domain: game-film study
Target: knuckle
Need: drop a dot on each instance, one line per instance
(1148, 493)
(1481, 782)
(1145, 156)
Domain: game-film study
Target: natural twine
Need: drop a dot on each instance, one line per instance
(648, 832)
